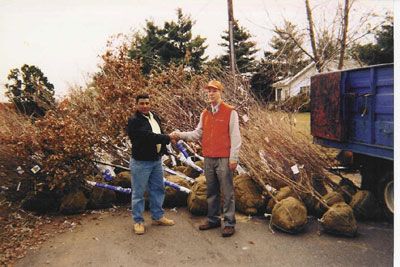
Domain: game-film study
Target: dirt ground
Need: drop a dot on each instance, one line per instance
(107, 239)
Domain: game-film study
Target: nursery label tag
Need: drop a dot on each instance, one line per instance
(295, 169)
(35, 169)
(20, 170)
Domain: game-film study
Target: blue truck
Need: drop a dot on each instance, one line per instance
(352, 110)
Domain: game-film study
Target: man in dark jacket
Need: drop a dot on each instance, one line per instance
(148, 145)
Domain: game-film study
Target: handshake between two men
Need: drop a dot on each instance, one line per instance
(218, 129)
(175, 137)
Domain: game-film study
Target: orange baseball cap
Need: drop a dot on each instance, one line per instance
(214, 84)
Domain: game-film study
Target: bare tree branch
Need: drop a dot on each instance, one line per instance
(297, 43)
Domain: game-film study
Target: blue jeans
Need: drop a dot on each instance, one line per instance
(147, 175)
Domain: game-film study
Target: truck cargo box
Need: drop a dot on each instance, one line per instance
(353, 110)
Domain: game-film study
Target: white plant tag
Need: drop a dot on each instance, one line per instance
(35, 169)
(20, 170)
(295, 169)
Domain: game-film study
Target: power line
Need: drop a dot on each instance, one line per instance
(203, 7)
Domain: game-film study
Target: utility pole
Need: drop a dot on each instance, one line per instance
(231, 46)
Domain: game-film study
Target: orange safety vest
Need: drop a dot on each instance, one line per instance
(216, 141)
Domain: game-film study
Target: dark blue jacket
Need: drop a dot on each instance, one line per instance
(143, 139)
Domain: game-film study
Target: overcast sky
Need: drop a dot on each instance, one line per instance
(64, 38)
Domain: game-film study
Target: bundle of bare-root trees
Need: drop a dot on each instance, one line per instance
(90, 122)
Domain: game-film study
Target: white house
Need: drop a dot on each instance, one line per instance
(300, 82)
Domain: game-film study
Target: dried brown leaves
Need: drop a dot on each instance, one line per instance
(66, 140)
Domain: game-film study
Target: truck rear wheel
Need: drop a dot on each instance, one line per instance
(369, 177)
(386, 194)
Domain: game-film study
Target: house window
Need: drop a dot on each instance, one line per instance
(279, 94)
(305, 89)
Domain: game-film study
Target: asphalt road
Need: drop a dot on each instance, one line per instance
(107, 239)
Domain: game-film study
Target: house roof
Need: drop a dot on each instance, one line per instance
(289, 79)
(327, 67)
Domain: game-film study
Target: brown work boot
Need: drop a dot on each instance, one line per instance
(228, 231)
(163, 222)
(138, 228)
(209, 225)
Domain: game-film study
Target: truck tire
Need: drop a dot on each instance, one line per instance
(386, 195)
(368, 177)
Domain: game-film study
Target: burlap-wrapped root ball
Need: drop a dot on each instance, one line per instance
(248, 196)
(173, 197)
(289, 215)
(197, 200)
(73, 203)
(329, 199)
(168, 162)
(283, 193)
(191, 172)
(365, 205)
(122, 179)
(101, 198)
(98, 198)
(339, 219)
(310, 199)
(348, 189)
(40, 202)
(179, 168)
(318, 184)
(311, 202)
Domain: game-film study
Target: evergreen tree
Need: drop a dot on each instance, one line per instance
(263, 78)
(213, 67)
(30, 91)
(145, 47)
(287, 56)
(244, 49)
(286, 59)
(172, 44)
(381, 51)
